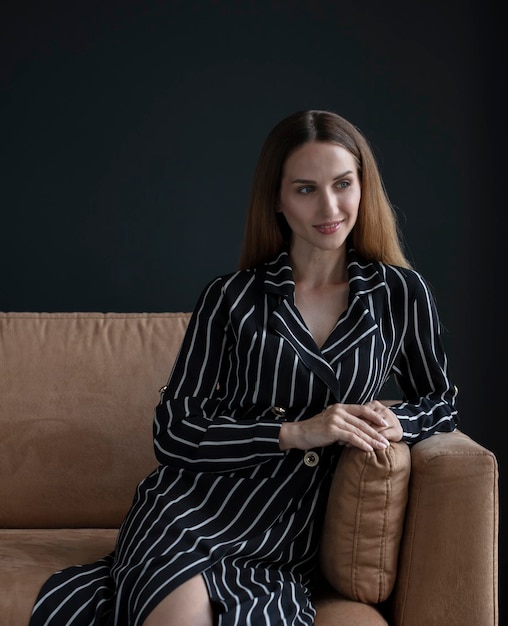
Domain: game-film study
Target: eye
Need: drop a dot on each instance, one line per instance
(343, 184)
(306, 190)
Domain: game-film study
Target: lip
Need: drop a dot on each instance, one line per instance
(328, 228)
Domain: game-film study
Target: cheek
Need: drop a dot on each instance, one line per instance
(354, 203)
(289, 207)
(282, 203)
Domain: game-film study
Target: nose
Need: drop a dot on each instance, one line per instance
(329, 204)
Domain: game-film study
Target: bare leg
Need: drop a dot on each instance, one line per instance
(187, 604)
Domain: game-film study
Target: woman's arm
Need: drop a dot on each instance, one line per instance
(189, 430)
(421, 371)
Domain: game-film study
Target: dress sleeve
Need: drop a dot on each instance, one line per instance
(189, 429)
(421, 370)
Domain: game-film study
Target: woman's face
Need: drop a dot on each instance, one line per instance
(320, 195)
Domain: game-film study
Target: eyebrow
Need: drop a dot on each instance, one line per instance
(308, 181)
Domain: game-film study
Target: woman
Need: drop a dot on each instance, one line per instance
(282, 364)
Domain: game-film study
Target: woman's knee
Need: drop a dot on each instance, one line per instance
(187, 604)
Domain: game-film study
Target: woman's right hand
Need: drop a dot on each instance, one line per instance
(346, 424)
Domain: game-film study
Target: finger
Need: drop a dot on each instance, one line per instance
(370, 412)
(365, 429)
(352, 428)
(355, 441)
(363, 436)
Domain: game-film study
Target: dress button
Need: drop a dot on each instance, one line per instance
(279, 411)
(163, 389)
(311, 459)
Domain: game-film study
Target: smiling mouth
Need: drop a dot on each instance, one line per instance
(328, 228)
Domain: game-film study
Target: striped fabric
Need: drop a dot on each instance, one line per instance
(225, 500)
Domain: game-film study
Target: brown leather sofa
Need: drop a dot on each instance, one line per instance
(410, 540)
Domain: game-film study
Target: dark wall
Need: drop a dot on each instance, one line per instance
(130, 132)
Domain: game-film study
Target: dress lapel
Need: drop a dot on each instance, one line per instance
(354, 326)
(357, 323)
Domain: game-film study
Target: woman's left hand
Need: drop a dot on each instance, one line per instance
(392, 432)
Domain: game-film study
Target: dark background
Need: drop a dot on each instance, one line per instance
(130, 131)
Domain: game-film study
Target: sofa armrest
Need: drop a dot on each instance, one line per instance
(448, 561)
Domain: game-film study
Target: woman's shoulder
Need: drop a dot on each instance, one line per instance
(393, 277)
(397, 272)
(231, 280)
(227, 287)
(249, 285)
(407, 279)
(274, 270)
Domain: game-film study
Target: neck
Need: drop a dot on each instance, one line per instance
(319, 268)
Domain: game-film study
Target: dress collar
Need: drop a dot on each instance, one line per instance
(278, 275)
(364, 276)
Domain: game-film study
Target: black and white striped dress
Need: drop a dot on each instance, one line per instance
(226, 501)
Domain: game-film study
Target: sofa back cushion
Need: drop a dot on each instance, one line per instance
(77, 398)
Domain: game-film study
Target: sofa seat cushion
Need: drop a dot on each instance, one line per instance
(364, 522)
(29, 556)
(333, 609)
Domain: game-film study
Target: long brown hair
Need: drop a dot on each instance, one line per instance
(375, 235)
